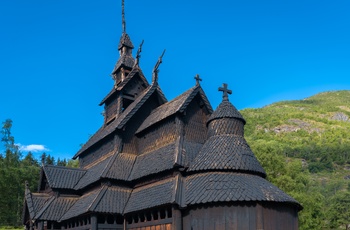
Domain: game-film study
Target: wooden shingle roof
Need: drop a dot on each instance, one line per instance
(232, 187)
(120, 167)
(56, 208)
(124, 60)
(93, 174)
(62, 177)
(226, 110)
(120, 121)
(83, 204)
(103, 200)
(135, 71)
(153, 162)
(125, 41)
(168, 191)
(35, 201)
(227, 152)
(178, 104)
(113, 200)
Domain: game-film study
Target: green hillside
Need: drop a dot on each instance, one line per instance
(304, 146)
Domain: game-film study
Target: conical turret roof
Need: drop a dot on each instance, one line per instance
(226, 110)
(226, 149)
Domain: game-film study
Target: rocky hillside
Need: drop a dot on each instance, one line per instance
(315, 133)
(316, 129)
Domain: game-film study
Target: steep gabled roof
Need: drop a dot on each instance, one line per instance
(227, 152)
(113, 200)
(153, 162)
(178, 104)
(94, 173)
(56, 208)
(125, 41)
(83, 204)
(134, 71)
(104, 200)
(120, 121)
(124, 60)
(34, 202)
(232, 187)
(62, 177)
(168, 191)
(120, 167)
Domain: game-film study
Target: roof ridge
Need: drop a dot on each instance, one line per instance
(126, 115)
(159, 182)
(111, 160)
(46, 206)
(76, 183)
(97, 199)
(206, 100)
(189, 98)
(132, 169)
(28, 196)
(120, 121)
(46, 175)
(181, 107)
(64, 167)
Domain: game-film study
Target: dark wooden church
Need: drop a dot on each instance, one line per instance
(158, 164)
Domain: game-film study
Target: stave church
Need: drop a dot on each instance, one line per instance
(156, 164)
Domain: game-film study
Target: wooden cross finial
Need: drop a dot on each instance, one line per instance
(225, 91)
(123, 17)
(198, 79)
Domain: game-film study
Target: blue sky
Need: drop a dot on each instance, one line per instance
(56, 57)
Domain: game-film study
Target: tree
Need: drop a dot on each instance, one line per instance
(12, 154)
(14, 171)
(339, 210)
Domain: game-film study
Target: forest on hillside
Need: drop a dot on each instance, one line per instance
(15, 170)
(304, 147)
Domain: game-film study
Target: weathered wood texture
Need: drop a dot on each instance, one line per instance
(129, 139)
(98, 152)
(248, 217)
(195, 119)
(225, 126)
(158, 136)
(155, 227)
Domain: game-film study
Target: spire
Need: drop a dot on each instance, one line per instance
(125, 39)
(225, 91)
(156, 70)
(125, 61)
(198, 79)
(123, 18)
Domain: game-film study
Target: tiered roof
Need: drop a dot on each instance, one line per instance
(220, 167)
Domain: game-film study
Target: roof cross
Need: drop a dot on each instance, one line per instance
(198, 79)
(225, 91)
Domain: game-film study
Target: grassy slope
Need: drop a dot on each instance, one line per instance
(310, 129)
